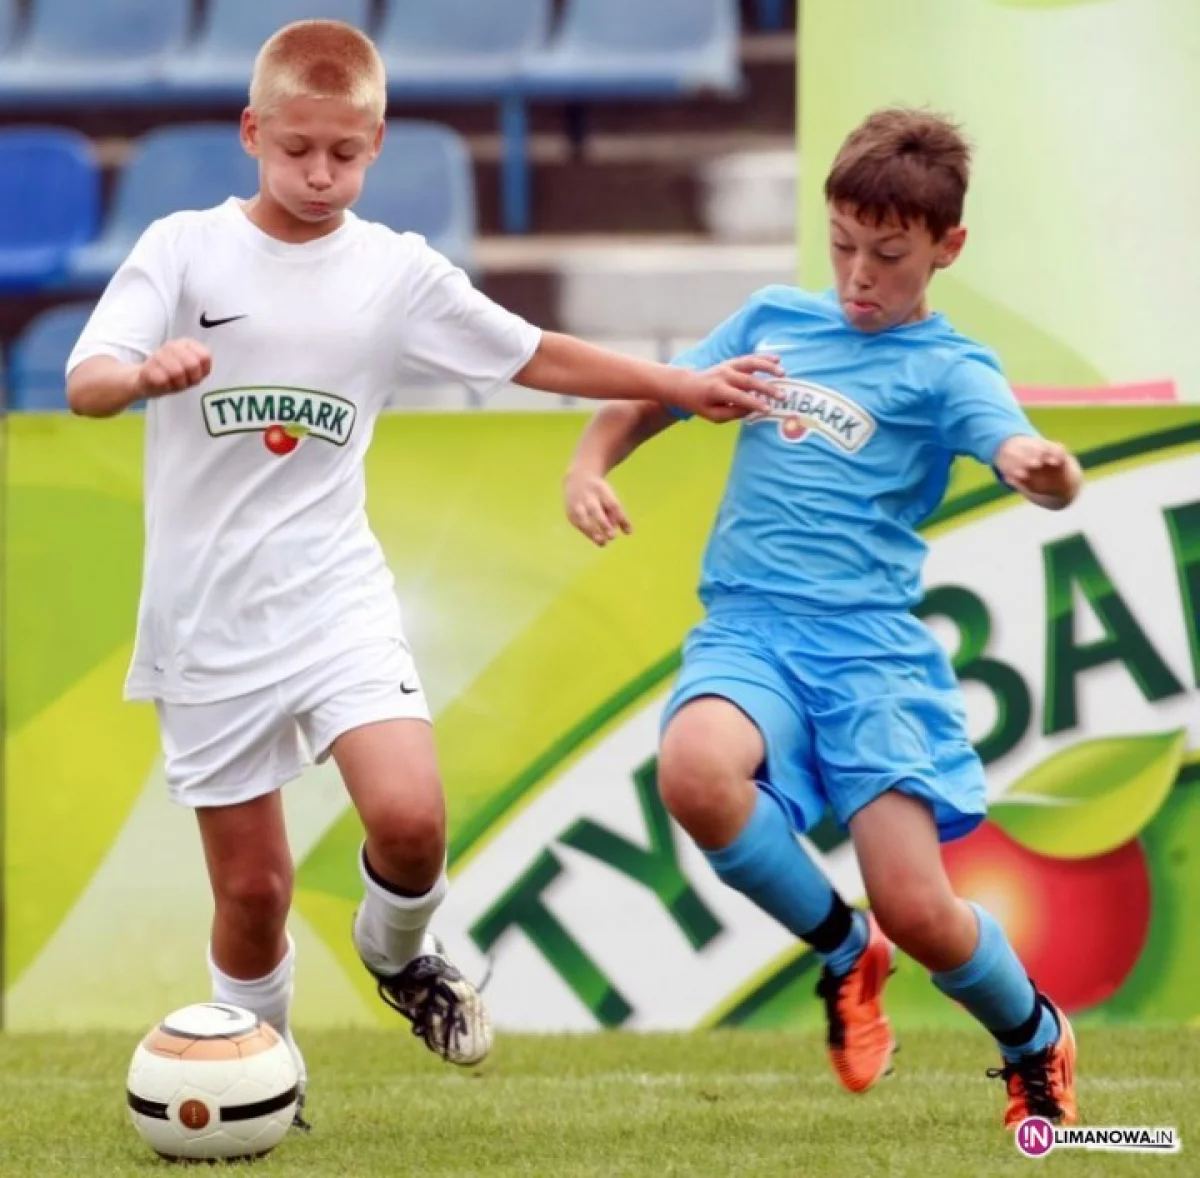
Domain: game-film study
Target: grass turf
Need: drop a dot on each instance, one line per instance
(717, 1103)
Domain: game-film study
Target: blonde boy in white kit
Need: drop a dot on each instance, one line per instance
(268, 621)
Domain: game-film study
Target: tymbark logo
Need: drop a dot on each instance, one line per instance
(282, 415)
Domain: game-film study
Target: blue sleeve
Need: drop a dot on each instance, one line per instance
(978, 412)
(724, 342)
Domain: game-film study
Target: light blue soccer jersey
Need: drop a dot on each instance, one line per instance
(826, 491)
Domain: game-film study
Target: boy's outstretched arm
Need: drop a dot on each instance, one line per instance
(569, 366)
(980, 416)
(611, 436)
(1045, 472)
(102, 386)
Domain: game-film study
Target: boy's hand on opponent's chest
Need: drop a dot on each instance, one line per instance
(732, 390)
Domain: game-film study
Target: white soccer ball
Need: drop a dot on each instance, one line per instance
(212, 1081)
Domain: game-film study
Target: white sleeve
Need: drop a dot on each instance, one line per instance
(134, 314)
(453, 330)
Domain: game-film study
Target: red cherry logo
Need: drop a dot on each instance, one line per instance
(279, 441)
(793, 429)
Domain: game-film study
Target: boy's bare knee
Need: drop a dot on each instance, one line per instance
(704, 792)
(406, 843)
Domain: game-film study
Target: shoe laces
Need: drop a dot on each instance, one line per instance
(1034, 1072)
(422, 994)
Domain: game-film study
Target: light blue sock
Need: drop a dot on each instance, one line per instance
(766, 864)
(994, 987)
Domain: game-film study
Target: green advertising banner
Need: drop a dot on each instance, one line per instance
(1077, 267)
(547, 662)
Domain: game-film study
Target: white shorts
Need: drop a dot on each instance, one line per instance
(234, 750)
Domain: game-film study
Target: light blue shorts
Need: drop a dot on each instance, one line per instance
(849, 706)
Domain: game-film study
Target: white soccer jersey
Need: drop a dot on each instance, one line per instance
(259, 559)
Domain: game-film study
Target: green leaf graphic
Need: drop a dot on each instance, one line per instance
(1091, 798)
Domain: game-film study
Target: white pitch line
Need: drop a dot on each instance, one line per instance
(915, 1079)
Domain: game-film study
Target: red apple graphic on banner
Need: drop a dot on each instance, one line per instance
(1078, 925)
(1060, 865)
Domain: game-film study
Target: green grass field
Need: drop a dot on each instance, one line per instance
(718, 1103)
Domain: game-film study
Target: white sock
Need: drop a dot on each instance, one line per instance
(389, 929)
(270, 998)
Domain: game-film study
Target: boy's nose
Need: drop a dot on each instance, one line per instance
(862, 276)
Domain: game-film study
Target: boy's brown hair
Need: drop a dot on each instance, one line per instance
(913, 164)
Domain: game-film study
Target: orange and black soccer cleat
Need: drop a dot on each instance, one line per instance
(1042, 1084)
(861, 1043)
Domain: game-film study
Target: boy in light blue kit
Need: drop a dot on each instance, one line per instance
(810, 684)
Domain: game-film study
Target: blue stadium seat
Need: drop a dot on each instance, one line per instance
(192, 166)
(469, 50)
(620, 49)
(219, 64)
(49, 203)
(635, 49)
(36, 377)
(459, 48)
(423, 182)
(96, 50)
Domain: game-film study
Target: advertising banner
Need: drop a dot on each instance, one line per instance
(547, 663)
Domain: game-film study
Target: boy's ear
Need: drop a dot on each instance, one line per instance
(249, 132)
(950, 247)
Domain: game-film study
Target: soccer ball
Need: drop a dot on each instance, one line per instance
(212, 1081)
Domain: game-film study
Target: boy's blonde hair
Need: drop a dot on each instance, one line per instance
(319, 59)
